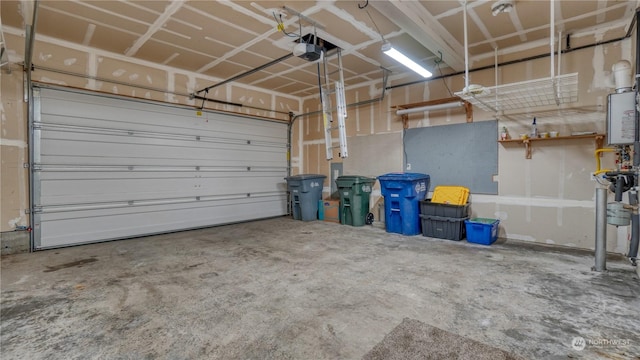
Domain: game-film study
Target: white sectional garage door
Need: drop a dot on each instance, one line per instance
(108, 168)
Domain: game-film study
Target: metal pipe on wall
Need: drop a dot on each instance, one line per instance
(28, 89)
(633, 195)
(552, 33)
(601, 229)
(466, 48)
(29, 42)
(30, 37)
(636, 144)
(635, 229)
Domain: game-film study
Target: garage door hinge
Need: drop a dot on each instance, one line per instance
(35, 166)
(35, 210)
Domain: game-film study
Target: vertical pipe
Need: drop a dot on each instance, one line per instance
(601, 230)
(633, 195)
(466, 48)
(619, 187)
(32, 36)
(635, 229)
(495, 71)
(289, 139)
(552, 40)
(636, 144)
(28, 89)
(292, 120)
(559, 53)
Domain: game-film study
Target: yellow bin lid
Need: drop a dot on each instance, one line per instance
(453, 195)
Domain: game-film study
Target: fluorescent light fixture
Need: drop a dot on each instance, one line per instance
(430, 108)
(402, 59)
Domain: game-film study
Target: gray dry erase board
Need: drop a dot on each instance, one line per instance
(458, 154)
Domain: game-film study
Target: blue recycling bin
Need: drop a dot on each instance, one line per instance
(305, 190)
(402, 194)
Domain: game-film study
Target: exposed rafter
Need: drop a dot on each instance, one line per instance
(173, 7)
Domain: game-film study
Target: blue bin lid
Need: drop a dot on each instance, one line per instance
(402, 176)
(484, 221)
(305, 177)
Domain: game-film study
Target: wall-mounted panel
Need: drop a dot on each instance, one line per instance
(458, 154)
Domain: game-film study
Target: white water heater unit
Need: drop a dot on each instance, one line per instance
(621, 118)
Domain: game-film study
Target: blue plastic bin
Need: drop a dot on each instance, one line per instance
(305, 190)
(482, 231)
(402, 194)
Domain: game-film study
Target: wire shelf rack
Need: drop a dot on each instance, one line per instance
(562, 89)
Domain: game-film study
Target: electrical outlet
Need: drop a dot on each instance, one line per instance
(408, 166)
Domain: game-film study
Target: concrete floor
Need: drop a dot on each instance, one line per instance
(285, 289)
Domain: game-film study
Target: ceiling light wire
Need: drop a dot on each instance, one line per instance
(371, 18)
(281, 26)
(442, 77)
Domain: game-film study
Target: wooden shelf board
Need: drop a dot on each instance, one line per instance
(599, 138)
(589, 136)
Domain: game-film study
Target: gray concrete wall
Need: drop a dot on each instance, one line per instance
(14, 242)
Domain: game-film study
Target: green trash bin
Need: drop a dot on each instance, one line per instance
(354, 198)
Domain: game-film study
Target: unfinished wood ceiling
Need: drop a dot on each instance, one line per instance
(227, 38)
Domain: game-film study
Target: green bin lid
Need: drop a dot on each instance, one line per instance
(355, 178)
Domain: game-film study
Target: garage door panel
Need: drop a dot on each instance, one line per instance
(80, 228)
(77, 161)
(138, 137)
(57, 192)
(118, 173)
(152, 118)
(147, 156)
(111, 168)
(79, 211)
(156, 149)
(204, 130)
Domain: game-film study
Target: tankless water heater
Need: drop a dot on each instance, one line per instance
(621, 118)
